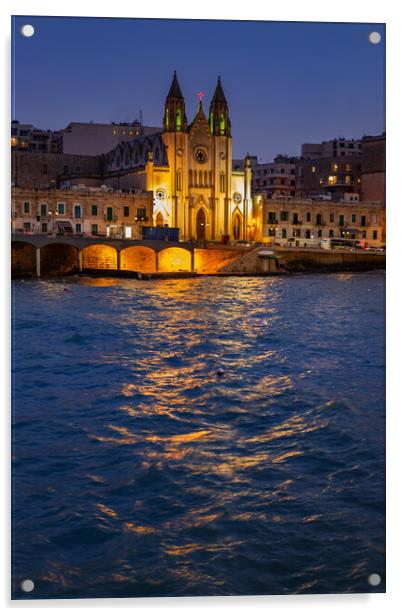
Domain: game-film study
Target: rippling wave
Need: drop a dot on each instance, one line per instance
(198, 436)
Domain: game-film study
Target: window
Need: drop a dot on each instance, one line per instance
(313, 169)
(295, 219)
(94, 229)
(348, 179)
(363, 221)
(60, 208)
(94, 210)
(284, 216)
(341, 220)
(44, 227)
(109, 213)
(332, 217)
(332, 179)
(65, 169)
(331, 233)
(78, 228)
(27, 226)
(126, 211)
(77, 170)
(284, 233)
(353, 218)
(27, 207)
(348, 167)
(364, 234)
(77, 211)
(296, 232)
(308, 234)
(43, 209)
(334, 168)
(271, 231)
(282, 171)
(141, 213)
(374, 235)
(308, 216)
(318, 219)
(271, 218)
(319, 232)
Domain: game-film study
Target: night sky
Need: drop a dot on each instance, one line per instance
(286, 83)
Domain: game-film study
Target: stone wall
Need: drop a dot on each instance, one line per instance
(23, 260)
(138, 259)
(99, 257)
(34, 170)
(331, 260)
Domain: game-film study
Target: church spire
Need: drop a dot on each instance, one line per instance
(175, 119)
(219, 120)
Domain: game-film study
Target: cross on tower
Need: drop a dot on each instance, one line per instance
(200, 95)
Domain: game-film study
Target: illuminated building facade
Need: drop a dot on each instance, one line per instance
(188, 167)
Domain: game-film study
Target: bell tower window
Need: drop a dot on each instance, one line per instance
(222, 124)
(178, 119)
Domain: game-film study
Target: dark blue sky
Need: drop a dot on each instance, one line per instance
(286, 83)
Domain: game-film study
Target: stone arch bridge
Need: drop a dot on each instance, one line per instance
(52, 255)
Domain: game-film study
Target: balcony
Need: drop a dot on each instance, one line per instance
(297, 222)
(273, 221)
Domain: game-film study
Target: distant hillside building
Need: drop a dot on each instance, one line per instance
(373, 168)
(93, 138)
(331, 149)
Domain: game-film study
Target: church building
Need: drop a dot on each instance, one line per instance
(188, 167)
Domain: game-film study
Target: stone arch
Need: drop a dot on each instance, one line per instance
(237, 224)
(174, 260)
(23, 259)
(201, 224)
(99, 257)
(58, 259)
(138, 259)
(159, 220)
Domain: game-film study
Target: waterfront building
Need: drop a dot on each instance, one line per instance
(81, 211)
(304, 222)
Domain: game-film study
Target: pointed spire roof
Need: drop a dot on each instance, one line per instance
(200, 118)
(175, 91)
(219, 96)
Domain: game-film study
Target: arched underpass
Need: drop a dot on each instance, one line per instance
(99, 257)
(23, 259)
(58, 260)
(138, 259)
(174, 260)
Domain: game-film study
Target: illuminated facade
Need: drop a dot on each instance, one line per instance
(188, 167)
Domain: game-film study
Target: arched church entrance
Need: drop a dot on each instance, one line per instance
(236, 226)
(201, 225)
(159, 220)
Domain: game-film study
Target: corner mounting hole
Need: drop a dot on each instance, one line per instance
(27, 30)
(374, 579)
(374, 37)
(27, 585)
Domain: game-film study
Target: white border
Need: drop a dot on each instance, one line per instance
(290, 10)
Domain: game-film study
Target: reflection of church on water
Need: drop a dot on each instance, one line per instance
(188, 167)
